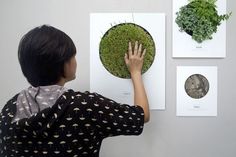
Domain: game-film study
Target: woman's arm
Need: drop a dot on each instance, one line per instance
(134, 62)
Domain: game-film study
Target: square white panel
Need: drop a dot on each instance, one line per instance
(118, 89)
(188, 104)
(185, 47)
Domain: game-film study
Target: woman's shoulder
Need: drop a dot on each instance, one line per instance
(86, 94)
(9, 104)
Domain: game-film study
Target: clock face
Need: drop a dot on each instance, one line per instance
(114, 45)
(196, 86)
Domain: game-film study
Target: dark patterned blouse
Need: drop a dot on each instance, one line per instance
(74, 126)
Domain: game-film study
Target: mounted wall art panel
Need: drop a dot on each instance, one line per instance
(184, 46)
(109, 36)
(196, 91)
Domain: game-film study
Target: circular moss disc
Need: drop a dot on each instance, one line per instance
(197, 86)
(114, 45)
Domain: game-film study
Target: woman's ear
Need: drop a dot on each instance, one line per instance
(70, 69)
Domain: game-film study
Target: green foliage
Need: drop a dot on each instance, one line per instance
(114, 45)
(200, 19)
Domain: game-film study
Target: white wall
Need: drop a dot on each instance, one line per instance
(166, 135)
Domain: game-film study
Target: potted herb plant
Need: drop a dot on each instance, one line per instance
(114, 45)
(200, 19)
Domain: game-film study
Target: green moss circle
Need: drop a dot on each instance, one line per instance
(114, 45)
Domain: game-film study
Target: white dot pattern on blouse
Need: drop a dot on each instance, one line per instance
(74, 126)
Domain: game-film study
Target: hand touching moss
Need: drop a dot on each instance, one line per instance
(134, 62)
(134, 58)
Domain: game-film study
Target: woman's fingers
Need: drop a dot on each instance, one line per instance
(134, 57)
(139, 50)
(136, 48)
(130, 49)
(126, 59)
(143, 54)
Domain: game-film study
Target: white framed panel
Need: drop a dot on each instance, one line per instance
(183, 46)
(118, 89)
(189, 106)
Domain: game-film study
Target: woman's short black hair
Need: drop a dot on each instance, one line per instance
(42, 53)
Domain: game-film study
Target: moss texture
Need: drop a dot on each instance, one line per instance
(114, 45)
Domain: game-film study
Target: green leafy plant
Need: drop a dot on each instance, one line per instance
(200, 19)
(114, 45)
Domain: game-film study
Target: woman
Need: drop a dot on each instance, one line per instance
(48, 120)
